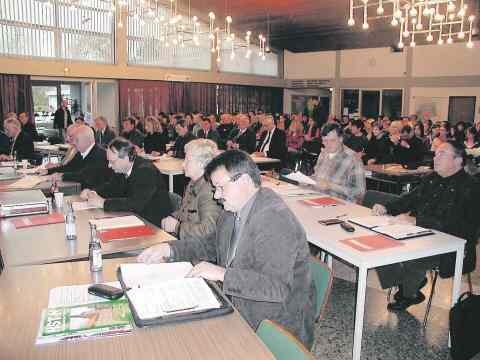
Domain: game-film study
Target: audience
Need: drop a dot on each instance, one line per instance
(447, 201)
(137, 185)
(206, 131)
(357, 141)
(408, 149)
(272, 141)
(263, 264)
(28, 126)
(183, 138)
(243, 136)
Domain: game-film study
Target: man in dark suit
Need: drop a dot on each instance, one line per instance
(137, 185)
(131, 133)
(103, 133)
(21, 142)
(206, 132)
(183, 138)
(243, 137)
(273, 142)
(92, 169)
(263, 264)
(62, 119)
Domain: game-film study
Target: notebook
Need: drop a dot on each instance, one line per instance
(400, 231)
(116, 222)
(373, 221)
(371, 243)
(54, 218)
(322, 202)
(161, 293)
(125, 233)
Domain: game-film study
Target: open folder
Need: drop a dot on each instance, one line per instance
(160, 293)
(385, 225)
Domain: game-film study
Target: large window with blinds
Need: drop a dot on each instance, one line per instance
(250, 63)
(58, 29)
(147, 44)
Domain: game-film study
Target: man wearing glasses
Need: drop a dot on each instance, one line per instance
(446, 201)
(259, 251)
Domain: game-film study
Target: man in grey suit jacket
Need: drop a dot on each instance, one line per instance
(259, 251)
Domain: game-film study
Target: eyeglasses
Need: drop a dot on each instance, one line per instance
(232, 179)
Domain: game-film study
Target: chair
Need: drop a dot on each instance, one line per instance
(175, 200)
(323, 279)
(282, 344)
(373, 197)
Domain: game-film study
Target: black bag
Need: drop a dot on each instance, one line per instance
(464, 327)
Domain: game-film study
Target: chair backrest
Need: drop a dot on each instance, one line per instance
(373, 197)
(175, 200)
(323, 278)
(282, 344)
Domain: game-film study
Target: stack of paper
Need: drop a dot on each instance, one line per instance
(27, 182)
(117, 222)
(301, 178)
(373, 221)
(82, 205)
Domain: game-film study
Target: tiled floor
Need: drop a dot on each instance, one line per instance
(386, 335)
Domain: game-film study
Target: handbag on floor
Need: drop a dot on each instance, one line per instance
(464, 327)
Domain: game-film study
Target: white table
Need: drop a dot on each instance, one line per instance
(327, 238)
(172, 166)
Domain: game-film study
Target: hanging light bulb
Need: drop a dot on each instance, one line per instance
(394, 22)
(401, 45)
(470, 44)
(429, 37)
(351, 22)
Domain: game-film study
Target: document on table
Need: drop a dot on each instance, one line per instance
(301, 178)
(373, 221)
(175, 296)
(75, 295)
(136, 275)
(83, 205)
(27, 182)
(400, 231)
(117, 222)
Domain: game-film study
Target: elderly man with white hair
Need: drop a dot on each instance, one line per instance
(21, 142)
(273, 141)
(197, 216)
(92, 169)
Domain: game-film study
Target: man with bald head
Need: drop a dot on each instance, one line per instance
(242, 137)
(21, 144)
(92, 169)
(447, 201)
(273, 142)
(72, 159)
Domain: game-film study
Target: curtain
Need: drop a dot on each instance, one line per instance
(144, 97)
(15, 95)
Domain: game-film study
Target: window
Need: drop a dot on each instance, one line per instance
(57, 30)
(148, 46)
(372, 103)
(253, 64)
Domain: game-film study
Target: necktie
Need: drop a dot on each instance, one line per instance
(267, 140)
(232, 249)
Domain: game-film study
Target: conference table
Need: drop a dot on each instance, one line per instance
(328, 239)
(47, 243)
(171, 166)
(25, 292)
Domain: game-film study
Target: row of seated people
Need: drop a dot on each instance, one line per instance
(225, 192)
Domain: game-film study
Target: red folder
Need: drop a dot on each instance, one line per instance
(54, 218)
(322, 201)
(125, 233)
(371, 243)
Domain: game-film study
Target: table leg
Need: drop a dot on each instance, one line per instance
(359, 312)
(457, 280)
(170, 183)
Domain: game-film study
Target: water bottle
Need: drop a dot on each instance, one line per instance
(70, 227)
(95, 250)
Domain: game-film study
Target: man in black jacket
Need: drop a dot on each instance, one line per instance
(62, 119)
(137, 185)
(243, 137)
(273, 142)
(183, 138)
(131, 133)
(21, 142)
(28, 126)
(408, 150)
(103, 133)
(447, 201)
(92, 170)
(206, 132)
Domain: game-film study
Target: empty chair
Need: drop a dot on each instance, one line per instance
(282, 344)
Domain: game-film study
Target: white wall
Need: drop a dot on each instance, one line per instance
(437, 97)
(374, 62)
(311, 65)
(107, 102)
(446, 60)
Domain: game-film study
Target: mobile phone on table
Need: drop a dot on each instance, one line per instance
(333, 221)
(105, 291)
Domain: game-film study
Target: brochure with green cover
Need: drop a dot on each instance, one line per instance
(108, 318)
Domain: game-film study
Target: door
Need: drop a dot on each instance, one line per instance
(461, 108)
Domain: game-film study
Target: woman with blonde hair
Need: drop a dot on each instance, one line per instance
(155, 140)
